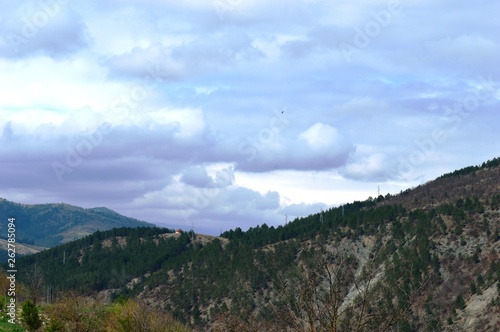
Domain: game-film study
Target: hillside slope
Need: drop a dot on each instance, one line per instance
(21, 250)
(427, 259)
(47, 225)
(482, 182)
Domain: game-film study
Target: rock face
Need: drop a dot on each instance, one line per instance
(481, 314)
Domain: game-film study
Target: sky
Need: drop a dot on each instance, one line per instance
(219, 114)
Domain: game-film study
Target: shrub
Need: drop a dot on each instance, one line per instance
(459, 302)
(30, 316)
(134, 316)
(54, 326)
(77, 313)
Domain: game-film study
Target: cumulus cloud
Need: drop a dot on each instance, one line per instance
(319, 147)
(375, 167)
(235, 205)
(210, 208)
(197, 176)
(320, 136)
(269, 201)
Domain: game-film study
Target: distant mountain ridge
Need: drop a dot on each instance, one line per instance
(48, 225)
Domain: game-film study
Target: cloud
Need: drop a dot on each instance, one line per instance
(209, 208)
(320, 136)
(319, 39)
(235, 206)
(456, 51)
(302, 209)
(197, 176)
(269, 201)
(375, 167)
(207, 53)
(319, 147)
(49, 28)
(154, 62)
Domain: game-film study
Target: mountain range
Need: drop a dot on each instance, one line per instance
(47, 225)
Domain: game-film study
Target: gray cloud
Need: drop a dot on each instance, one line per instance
(207, 53)
(154, 62)
(42, 27)
(197, 176)
(320, 147)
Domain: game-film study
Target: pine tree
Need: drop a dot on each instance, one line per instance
(473, 287)
(459, 302)
(30, 316)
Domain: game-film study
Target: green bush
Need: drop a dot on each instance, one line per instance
(459, 302)
(54, 326)
(30, 316)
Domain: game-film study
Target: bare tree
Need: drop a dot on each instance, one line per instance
(34, 284)
(4, 283)
(333, 291)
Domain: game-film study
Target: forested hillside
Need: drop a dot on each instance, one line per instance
(427, 259)
(47, 225)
